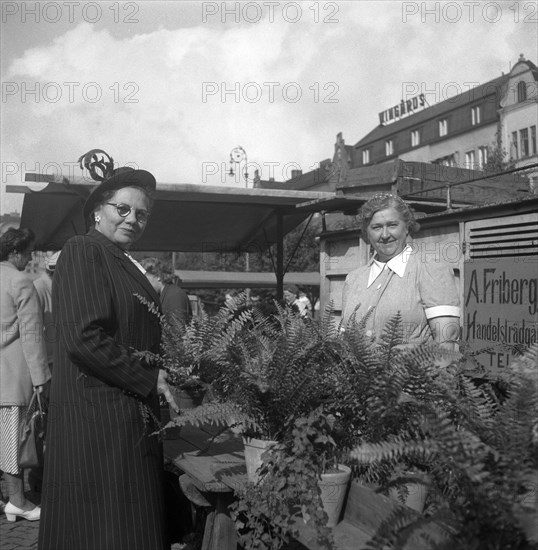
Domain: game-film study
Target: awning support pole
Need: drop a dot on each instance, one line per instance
(292, 255)
(279, 256)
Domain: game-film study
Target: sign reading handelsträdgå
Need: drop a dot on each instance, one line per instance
(500, 308)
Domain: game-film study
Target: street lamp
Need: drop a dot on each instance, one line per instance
(237, 156)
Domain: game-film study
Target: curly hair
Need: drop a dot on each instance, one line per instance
(382, 201)
(15, 240)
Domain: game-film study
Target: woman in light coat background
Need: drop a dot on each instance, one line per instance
(23, 361)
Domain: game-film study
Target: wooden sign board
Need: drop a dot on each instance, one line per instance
(500, 280)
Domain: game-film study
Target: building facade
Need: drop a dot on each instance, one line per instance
(519, 114)
(464, 130)
(486, 128)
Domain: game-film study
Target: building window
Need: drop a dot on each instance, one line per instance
(475, 115)
(366, 156)
(415, 138)
(533, 140)
(514, 151)
(524, 142)
(521, 91)
(469, 160)
(389, 147)
(443, 127)
(482, 156)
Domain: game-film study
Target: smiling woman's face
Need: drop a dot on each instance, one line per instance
(387, 233)
(123, 231)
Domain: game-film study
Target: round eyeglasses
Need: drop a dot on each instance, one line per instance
(125, 209)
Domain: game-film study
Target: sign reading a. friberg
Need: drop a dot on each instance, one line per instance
(500, 308)
(406, 107)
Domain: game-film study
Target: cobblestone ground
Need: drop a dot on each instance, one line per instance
(23, 534)
(20, 534)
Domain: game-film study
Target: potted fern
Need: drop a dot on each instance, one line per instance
(480, 453)
(267, 369)
(268, 513)
(182, 357)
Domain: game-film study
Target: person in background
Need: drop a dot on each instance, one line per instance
(230, 296)
(304, 305)
(297, 300)
(103, 476)
(43, 286)
(398, 280)
(23, 362)
(291, 293)
(174, 300)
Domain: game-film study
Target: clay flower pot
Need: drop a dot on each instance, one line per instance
(254, 448)
(333, 487)
(416, 496)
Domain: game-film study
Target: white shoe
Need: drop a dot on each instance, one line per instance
(12, 512)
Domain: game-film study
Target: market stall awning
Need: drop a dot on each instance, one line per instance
(185, 217)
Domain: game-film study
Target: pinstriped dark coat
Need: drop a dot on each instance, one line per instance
(102, 487)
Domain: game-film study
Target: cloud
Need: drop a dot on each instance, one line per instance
(177, 100)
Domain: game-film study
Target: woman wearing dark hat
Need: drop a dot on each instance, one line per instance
(102, 486)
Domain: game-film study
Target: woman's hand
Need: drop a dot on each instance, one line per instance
(164, 389)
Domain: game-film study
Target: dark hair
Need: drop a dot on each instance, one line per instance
(15, 240)
(382, 201)
(292, 288)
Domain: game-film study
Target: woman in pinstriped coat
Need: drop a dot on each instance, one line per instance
(102, 487)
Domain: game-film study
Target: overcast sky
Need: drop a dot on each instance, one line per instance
(173, 87)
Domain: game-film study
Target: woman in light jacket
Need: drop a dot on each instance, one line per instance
(23, 361)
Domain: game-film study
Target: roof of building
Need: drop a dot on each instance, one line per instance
(517, 207)
(470, 96)
(309, 180)
(532, 67)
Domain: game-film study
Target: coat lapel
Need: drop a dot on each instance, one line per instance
(126, 264)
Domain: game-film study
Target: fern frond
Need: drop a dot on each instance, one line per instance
(220, 414)
(393, 450)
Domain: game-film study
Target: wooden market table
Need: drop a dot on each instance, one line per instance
(213, 462)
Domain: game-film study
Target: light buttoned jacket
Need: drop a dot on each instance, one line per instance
(23, 356)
